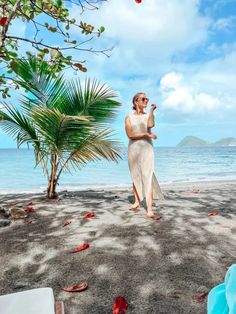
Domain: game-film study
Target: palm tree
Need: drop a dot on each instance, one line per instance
(67, 123)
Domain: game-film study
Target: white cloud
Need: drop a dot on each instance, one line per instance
(224, 24)
(204, 89)
(147, 35)
(180, 95)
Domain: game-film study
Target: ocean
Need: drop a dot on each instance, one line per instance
(17, 172)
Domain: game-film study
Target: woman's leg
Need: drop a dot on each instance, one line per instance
(149, 205)
(137, 200)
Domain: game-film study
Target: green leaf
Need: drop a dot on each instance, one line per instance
(59, 3)
(101, 29)
(46, 50)
(12, 54)
(52, 29)
(14, 66)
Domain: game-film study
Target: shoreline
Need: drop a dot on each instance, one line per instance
(164, 185)
(158, 266)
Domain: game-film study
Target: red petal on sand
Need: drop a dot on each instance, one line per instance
(213, 214)
(29, 209)
(120, 306)
(77, 288)
(134, 209)
(66, 223)
(28, 221)
(199, 298)
(156, 217)
(59, 307)
(138, 1)
(89, 215)
(82, 247)
(3, 20)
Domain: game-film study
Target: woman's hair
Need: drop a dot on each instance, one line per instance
(136, 96)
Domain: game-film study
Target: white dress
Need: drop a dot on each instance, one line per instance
(141, 160)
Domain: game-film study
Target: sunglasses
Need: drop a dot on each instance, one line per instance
(144, 98)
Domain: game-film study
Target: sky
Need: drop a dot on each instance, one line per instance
(181, 53)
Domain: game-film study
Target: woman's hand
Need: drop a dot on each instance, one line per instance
(152, 135)
(153, 107)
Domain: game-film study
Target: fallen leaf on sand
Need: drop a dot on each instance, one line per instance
(134, 209)
(213, 214)
(156, 217)
(120, 306)
(199, 298)
(186, 194)
(82, 247)
(66, 223)
(29, 209)
(89, 215)
(77, 288)
(28, 221)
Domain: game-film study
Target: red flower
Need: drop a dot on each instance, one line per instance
(3, 20)
(82, 247)
(29, 209)
(156, 217)
(89, 215)
(120, 306)
(213, 214)
(138, 1)
(77, 288)
(66, 222)
(199, 298)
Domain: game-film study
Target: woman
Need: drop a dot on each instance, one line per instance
(140, 153)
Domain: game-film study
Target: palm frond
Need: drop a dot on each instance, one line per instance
(92, 99)
(37, 78)
(94, 146)
(17, 125)
(58, 131)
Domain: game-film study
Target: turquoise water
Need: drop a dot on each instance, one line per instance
(17, 172)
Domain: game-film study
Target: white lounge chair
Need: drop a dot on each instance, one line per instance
(35, 301)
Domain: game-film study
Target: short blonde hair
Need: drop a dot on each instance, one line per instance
(136, 96)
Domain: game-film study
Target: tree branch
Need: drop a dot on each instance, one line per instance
(39, 43)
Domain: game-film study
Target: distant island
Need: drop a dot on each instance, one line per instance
(193, 141)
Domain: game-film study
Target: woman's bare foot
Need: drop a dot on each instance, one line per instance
(150, 214)
(134, 206)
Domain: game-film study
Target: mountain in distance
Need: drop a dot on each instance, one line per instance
(229, 141)
(193, 141)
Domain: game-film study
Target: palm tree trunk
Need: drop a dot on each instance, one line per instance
(51, 191)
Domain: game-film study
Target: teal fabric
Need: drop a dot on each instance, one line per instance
(222, 298)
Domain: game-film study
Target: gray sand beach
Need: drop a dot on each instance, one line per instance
(156, 265)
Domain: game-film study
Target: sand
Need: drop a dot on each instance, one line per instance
(158, 266)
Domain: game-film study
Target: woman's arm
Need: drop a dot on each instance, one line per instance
(136, 135)
(151, 119)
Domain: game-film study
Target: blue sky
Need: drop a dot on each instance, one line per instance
(182, 53)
